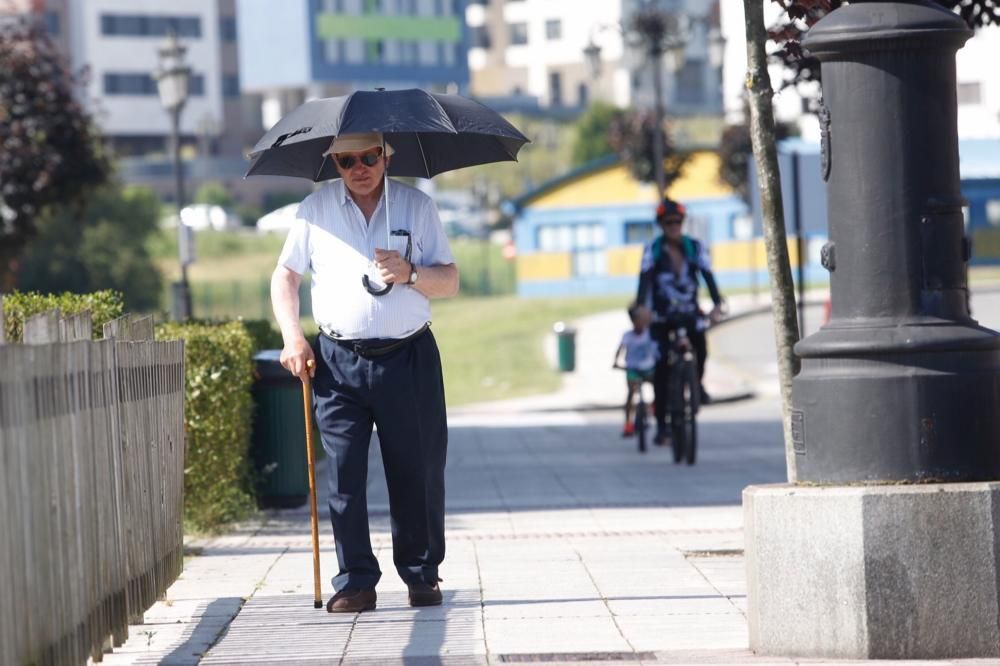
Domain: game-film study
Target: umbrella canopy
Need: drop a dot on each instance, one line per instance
(430, 132)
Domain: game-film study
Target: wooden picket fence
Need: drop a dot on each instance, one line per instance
(91, 484)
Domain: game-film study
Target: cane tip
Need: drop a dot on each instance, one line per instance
(317, 604)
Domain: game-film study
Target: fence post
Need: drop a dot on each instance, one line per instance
(141, 328)
(76, 327)
(117, 329)
(41, 329)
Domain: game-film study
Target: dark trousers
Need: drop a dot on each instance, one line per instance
(661, 376)
(402, 393)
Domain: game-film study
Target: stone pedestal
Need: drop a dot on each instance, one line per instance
(873, 572)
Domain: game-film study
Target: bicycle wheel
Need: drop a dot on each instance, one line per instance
(684, 406)
(692, 395)
(640, 424)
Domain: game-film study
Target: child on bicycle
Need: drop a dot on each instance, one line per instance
(641, 353)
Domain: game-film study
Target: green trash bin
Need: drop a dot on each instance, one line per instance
(566, 345)
(278, 442)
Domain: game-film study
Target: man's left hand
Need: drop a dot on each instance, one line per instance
(392, 267)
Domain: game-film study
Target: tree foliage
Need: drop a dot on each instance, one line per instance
(97, 245)
(736, 153)
(49, 148)
(800, 15)
(592, 129)
(631, 135)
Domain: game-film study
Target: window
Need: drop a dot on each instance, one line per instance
(231, 85)
(144, 85)
(128, 25)
(196, 85)
(639, 232)
(374, 50)
(227, 28)
(582, 95)
(691, 82)
(970, 93)
(480, 37)
(555, 89)
(553, 29)
(52, 23)
(585, 242)
(993, 212)
(518, 33)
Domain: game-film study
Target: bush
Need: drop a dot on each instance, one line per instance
(18, 306)
(218, 410)
(263, 334)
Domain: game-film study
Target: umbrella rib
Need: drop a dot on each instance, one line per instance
(420, 145)
(320, 170)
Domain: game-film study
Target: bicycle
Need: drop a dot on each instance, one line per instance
(685, 396)
(641, 417)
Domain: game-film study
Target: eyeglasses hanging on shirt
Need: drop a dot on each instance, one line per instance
(374, 291)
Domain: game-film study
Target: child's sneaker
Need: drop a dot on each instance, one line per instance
(629, 429)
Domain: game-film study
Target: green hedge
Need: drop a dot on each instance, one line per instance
(218, 412)
(18, 306)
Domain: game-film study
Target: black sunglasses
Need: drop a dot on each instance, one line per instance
(369, 159)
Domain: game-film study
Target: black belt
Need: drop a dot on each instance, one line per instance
(370, 348)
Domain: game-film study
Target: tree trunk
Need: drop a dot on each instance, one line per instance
(762, 137)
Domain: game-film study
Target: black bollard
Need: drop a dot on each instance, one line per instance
(902, 384)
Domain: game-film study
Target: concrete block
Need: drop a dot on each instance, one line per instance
(873, 572)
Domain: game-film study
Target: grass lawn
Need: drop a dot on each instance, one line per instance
(492, 348)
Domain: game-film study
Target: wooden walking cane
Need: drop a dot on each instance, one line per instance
(311, 453)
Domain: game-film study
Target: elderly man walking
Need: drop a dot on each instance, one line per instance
(376, 361)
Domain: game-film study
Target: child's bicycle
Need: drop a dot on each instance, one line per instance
(684, 396)
(641, 417)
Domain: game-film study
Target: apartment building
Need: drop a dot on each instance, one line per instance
(116, 41)
(318, 48)
(978, 84)
(532, 54)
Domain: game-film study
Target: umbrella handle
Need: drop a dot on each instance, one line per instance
(311, 453)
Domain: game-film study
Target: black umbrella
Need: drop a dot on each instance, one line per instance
(430, 132)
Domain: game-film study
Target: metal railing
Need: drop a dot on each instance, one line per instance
(91, 484)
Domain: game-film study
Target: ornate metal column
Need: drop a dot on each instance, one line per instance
(902, 384)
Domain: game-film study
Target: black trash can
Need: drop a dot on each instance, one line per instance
(278, 442)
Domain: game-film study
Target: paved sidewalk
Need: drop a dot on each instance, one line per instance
(565, 545)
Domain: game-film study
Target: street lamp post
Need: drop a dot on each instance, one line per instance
(657, 33)
(172, 83)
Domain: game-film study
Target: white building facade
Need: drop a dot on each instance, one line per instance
(978, 80)
(532, 52)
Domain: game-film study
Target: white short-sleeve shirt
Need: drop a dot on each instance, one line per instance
(331, 238)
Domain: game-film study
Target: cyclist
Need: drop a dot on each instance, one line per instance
(641, 354)
(668, 287)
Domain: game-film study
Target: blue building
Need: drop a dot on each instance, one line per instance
(583, 233)
(297, 49)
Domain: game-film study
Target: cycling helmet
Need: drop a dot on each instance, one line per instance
(670, 209)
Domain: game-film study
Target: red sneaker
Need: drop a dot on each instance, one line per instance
(629, 429)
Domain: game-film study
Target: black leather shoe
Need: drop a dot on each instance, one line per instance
(351, 601)
(424, 594)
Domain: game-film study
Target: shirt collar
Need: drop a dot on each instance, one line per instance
(344, 197)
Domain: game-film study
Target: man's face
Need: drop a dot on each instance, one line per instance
(672, 228)
(363, 171)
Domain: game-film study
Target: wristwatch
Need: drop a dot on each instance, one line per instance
(413, 274)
